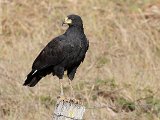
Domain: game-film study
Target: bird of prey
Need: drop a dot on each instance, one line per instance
(63, 53)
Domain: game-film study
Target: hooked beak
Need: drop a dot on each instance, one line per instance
(67, 21)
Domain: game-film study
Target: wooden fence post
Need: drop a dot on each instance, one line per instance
(65, 110)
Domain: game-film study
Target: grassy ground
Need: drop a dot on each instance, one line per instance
(120, 77)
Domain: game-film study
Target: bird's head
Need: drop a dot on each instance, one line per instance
(73, 20)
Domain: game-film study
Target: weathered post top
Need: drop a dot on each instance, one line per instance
(66, 110)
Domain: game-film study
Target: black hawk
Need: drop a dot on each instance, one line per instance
(63, 53)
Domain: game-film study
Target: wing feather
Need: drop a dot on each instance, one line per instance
(52, 54)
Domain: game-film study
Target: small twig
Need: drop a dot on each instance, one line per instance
(148, 96)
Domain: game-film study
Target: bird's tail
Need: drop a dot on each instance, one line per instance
(35, 76)
(32, 78)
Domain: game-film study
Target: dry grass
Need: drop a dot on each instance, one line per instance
(121, 71)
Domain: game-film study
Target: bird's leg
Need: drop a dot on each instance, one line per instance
(71, 88)
(61, 87)
(61, 97)
(72, 99)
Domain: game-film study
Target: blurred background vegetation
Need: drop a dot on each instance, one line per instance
(118, 80)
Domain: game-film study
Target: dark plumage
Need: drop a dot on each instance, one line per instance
(65, 52)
